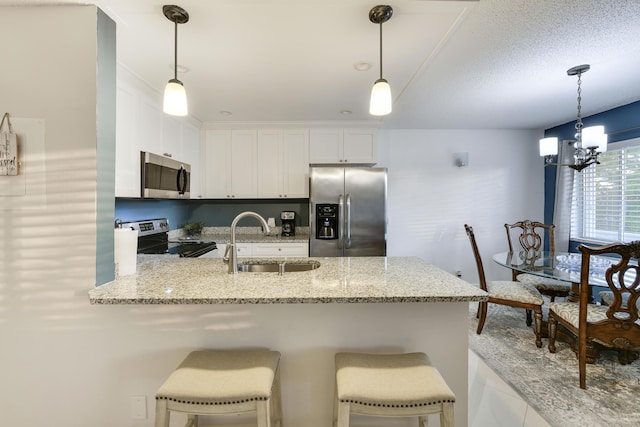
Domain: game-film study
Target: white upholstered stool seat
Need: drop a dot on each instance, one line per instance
(390, 385)
(220, 382)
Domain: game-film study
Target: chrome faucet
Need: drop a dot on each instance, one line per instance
(231, 253)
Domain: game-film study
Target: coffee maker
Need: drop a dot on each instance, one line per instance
(288, 223)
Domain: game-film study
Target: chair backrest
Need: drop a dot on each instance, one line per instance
(476, 254)
(619, 329)
(531, 235)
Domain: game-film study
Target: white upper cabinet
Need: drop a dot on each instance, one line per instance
(244, 164)
(296, 163)
(270, 163)
(340, 146)
(230, 169)
(127, 180)
(142, 126)
(283, 163)
(190, 138)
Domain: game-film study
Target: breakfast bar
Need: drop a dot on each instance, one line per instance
(368, 304)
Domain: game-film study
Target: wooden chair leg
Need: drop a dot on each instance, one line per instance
(582, 359)
(343, 414)
(276, 401)
(423, 421)
(446, 417)
(553, 326)
(528, 317)
(537, 326)
(192, 421)
(263, 413)
(483, 316)
(162, 413)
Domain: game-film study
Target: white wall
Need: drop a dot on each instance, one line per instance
(430, 199)
(66, 363)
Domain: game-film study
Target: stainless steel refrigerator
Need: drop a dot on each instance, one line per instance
(347, 209)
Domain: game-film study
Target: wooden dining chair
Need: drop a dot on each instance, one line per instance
(508, 292)
(531, 237)
(615, 326)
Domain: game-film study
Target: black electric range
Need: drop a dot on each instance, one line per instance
(153, 238)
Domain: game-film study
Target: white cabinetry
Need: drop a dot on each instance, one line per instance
(339, 146)
(142, 126)
(283, 163)
(230, 169)
(269, 250)
(275, 250)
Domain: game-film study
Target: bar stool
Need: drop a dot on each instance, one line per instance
(390, 385)
(222, 382)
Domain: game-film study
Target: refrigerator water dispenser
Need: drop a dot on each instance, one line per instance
(327, 223)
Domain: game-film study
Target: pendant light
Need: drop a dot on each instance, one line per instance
(380, 104)
(175, 97)
(589, 142)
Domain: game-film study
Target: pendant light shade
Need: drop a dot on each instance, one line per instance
(380, 98)
(175, 96)
(381, 101)
(175, 99)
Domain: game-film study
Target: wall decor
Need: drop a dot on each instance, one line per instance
(8, 148)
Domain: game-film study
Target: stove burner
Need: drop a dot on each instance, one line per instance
(153, 238)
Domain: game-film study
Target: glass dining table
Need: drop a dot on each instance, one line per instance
(563, 266)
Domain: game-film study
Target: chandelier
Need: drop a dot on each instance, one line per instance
(589, 142)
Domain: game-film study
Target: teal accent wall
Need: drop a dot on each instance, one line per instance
(214, 213)
(105, 146)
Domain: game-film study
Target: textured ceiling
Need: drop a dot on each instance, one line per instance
(451, 64)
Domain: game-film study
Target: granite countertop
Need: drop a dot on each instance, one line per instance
(222, 235)
(166, 279)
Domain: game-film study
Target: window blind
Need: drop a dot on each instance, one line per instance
(605, 205)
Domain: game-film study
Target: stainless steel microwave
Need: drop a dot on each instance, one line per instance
(163, 178)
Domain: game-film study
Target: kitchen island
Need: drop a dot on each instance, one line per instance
(377, 304)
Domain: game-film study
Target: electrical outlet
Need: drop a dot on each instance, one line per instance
(459, 273)
(139, 407)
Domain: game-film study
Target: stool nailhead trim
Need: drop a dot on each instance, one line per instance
(233, 402)
(384, 405)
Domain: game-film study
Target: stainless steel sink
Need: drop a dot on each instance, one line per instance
(278, 266)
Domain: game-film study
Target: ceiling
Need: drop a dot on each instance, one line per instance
(450, 64)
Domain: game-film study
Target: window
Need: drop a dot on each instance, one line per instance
(605, 206)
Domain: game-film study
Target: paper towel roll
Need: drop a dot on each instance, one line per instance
(125, 251)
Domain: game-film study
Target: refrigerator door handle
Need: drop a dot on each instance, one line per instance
(348, 221)
(340, 221)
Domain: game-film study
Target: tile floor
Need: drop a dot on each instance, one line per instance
(493, 403)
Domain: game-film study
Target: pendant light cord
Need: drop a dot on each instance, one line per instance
(380, 50)
(175, 50)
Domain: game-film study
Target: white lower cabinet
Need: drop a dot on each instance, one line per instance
(268, 250)
(276, 250)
